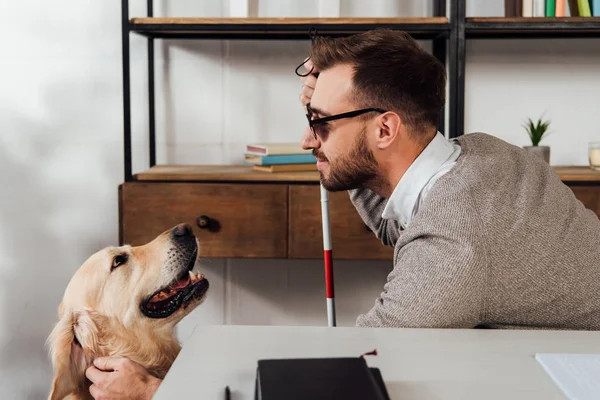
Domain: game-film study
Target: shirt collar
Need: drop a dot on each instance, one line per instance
(402, 201)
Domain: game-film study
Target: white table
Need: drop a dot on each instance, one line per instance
(415, 363)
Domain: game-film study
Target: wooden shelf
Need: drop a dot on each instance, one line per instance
(578, 174)
(244, 173)
(221, 173)
(537, 27)
(282, 28)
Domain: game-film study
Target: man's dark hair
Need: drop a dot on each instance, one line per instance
(391, 71)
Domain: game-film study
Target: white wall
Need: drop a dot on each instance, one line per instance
(61, 149)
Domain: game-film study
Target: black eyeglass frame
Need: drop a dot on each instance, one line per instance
(350, 114)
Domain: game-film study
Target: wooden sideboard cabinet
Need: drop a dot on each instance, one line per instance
(240, 213)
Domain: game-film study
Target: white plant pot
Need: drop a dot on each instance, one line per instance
(541, 151)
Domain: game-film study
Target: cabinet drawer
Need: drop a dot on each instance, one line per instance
(589, 195)
(350, 238)
(244, 220)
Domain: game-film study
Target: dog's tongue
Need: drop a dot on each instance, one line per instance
(182, 283)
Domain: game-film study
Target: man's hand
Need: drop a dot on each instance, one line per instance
(116, 378)
(308, 84)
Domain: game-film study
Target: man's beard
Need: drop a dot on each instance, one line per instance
(356, 170)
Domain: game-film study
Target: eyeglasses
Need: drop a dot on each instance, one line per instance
(320, 121)
(312, 34)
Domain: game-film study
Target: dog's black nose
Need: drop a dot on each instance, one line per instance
(183, 238)
(183, 230)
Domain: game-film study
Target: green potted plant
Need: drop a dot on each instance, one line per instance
(536, 132)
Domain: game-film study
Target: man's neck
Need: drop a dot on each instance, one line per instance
(395, 165)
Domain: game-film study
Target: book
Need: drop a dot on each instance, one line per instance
(539, 8)
(595, 4)
(285, 168)
(510, 8)
(318, 378)
(527, 9)
(550, 8)
(561, 8)
(513, 8)
(264, 149)
(574, 8)
(584, 8)
(280, 159)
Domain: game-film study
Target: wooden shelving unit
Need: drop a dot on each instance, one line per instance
(284, 207)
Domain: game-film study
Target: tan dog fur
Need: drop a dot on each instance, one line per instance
(100, 315)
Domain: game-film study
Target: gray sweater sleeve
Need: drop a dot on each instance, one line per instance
(435, 283)
(440, 273)
(370, 206)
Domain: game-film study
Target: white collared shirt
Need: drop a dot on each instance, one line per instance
(434, 161)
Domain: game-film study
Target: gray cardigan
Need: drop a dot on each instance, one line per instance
(499, 242)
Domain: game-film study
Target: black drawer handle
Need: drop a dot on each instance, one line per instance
(203, 222)
(210, 224)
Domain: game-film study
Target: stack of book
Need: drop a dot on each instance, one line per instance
(279, 157)
(551, 8)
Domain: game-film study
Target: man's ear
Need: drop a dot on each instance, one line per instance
(73, 344)
(388, 127)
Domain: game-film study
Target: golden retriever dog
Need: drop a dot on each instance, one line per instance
(125, 301)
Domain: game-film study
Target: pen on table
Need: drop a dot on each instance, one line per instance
(227, 393)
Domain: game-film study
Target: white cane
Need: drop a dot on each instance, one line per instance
(327, 257)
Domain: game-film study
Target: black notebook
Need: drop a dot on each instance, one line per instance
(318, 378)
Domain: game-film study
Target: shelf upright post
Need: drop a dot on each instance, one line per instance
(457, 68)
(151, 101)
(439, 51)
(125, 28)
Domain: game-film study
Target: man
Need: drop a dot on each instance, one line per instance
(484, 234)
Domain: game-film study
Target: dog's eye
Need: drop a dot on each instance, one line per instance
(118, 260)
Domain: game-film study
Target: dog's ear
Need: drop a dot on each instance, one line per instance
(72, 345)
